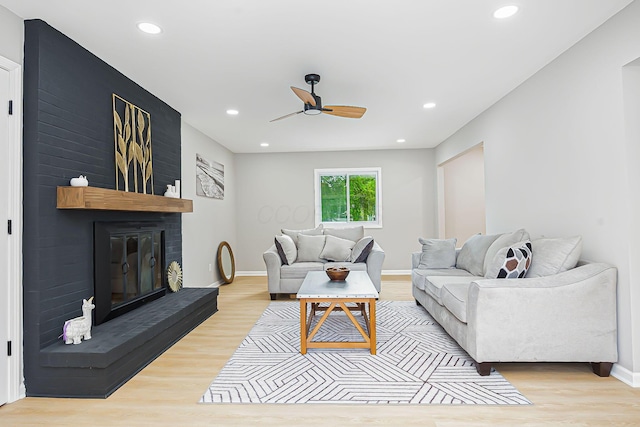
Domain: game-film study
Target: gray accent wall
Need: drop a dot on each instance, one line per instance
(561, 161)
(275, 191)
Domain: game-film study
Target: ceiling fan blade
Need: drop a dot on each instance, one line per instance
(288, 115)
(306, 97)
(344, 111)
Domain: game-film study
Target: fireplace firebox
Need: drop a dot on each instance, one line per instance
(128, 267)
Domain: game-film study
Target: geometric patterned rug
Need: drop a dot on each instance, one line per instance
(416, 363)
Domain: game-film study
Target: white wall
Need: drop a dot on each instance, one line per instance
(463, 188)
(276, 191)
(556, 160)
(11, 36)
(212, 220)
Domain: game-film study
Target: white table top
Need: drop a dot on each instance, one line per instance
(318, 285)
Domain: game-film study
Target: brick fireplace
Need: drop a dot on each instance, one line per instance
(68, 131)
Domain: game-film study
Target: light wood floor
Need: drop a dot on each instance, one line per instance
(167, 391)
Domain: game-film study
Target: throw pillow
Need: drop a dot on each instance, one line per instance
(554, 256)
(472, 254)
(309, 248)
(360, 251)
(437, 253)
(309, 232)
(350, 233)
(511, 262)
(503, 241)
(336, 249)
(286, 249)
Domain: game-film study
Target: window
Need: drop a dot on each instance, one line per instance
(348, 197)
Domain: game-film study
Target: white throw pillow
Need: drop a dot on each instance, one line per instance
(309, 232)
(309, 248)
(511, 262)
(437, 253)
(472, 254)
(361, 250)
(553, 256)
(286, 249)
(337, 249)
(350, 233)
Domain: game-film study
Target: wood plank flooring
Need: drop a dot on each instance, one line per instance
(167, 391)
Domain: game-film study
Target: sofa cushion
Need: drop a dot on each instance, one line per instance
(349, 233)
(337, 249)
(553, 256)
(511, 262)
(286, 249)
(299, 270)
(472, 254)
(503, 241)
(361, 250)
(309, 232)
(433, 284)
(437, 253)
(454, 298)
(310, 247)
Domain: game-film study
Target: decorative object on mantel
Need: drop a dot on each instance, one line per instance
(174, 276)
(76, 329)
(171, 192)
(132, 139)
(209, 178)
(80, 181)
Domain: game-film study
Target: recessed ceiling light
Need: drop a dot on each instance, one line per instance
(149, 28)
(232, 112)
(264, 144)
(505, 12)
(429, 105)
(400, 141)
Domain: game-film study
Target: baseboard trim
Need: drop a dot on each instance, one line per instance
(626, 376)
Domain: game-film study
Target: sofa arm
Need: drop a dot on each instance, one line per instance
(273, 262)
(566, 317)
(374, 265)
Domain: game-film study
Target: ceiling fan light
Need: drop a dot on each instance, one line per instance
(312, 112)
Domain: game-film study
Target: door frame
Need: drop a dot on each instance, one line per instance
(16, 389)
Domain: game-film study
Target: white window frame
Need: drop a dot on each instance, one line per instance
(377, 171)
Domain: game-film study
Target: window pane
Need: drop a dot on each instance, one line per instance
(333, 196)
(362, 197)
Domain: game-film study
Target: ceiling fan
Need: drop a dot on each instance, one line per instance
(313, 103)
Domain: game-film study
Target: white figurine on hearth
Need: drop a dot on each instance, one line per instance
(74, 330)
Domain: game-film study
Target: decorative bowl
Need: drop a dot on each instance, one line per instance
(337, 273)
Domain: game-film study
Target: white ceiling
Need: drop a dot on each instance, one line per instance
(388, 56)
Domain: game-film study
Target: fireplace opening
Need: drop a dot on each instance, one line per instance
(128, 267)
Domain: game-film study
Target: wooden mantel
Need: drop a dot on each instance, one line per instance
(114, 200)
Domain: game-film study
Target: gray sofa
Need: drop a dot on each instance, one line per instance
(555, 308)
(316, 250)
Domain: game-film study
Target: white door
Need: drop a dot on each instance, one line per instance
(4, 238)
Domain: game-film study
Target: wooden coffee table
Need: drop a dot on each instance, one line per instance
(355, 294)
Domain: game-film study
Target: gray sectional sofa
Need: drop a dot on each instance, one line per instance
(296, 252)
(505, 298)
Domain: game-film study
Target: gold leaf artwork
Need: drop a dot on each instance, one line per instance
(133, 154)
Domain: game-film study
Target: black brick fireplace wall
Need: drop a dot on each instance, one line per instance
(68, 131)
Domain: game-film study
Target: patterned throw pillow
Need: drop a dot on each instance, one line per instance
(511, 262)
